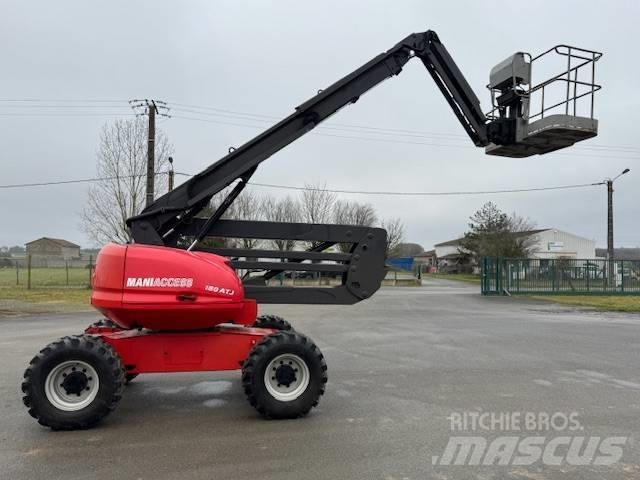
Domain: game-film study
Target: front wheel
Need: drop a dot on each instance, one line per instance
(73, 383)
(284, 375)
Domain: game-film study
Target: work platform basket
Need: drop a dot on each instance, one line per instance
(550, 115)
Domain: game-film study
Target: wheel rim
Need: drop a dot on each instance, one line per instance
(286, 377)
(72, 385)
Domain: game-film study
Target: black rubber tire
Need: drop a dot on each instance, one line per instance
(100, 355)
(273, 321)
(254, 368)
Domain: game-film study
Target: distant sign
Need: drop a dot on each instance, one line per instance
(554, 246)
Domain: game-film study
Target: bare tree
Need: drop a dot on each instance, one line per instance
(216, 202)
(248, 206)
(521, 225)
(284, 209)
(206, 212)
(395, 235)
(122, 164)
(316, 205)
(353, 213)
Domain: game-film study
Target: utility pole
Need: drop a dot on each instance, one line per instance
(610, 279)
(610, 251)
(610, 219)
(151, 108)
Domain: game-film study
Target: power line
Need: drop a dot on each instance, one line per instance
(328, 125)
(50, 105)
(324, 126)
(354, 137)
(392, 140)
(353, 132)
(65, 182)
(388, 193)
(59, 100)
(144, 106)
(290, 187)
(63, 108)
(206, 111)
(374, 130)
(65, 114)
(209, 111)
(429, 194)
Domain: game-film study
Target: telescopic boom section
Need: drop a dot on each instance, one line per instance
(167, 219)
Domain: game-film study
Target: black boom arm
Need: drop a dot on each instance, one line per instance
(169, 217)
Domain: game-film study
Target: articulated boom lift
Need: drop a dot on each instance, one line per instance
(172, 304)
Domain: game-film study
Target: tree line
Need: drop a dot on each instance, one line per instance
(315, 204)
(122, 160)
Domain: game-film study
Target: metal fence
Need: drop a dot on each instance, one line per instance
(559, 276)
(29, 274)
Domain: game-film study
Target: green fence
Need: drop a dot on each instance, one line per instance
(559, 276)
(24, 275)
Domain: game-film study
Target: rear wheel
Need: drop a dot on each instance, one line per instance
(73, 383)
(272, 321)
(284, 375)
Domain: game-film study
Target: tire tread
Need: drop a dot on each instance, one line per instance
(272, 321)
(79, 342)
(260, 350)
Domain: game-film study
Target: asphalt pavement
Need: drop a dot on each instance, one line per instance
(402, 365)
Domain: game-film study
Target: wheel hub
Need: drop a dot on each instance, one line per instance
(286, 375)
(75, 383)
(72, 385)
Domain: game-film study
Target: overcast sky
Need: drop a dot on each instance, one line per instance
(265, 58)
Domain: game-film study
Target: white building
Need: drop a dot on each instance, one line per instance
(547, 243)
(554, 243)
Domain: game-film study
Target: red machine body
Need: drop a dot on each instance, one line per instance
(225, 347)
(168, 289)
